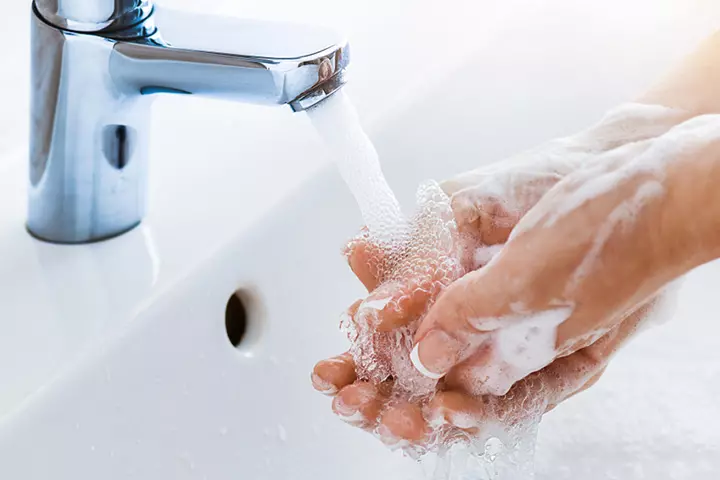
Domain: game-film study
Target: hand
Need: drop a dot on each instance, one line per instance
(370, 406)
(600, 243)
(454, 408)
(487, 215)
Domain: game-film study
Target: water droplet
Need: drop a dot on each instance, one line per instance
(282, 433)
(223, 431)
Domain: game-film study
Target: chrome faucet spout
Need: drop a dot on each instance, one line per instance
(96, 65)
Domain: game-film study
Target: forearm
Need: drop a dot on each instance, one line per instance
(692, 236)
(690, 230)
(692, 85)
(690, 89)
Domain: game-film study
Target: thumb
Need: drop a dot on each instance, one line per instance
(484, 310)
(449, 333)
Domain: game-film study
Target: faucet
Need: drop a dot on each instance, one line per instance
(97, 65)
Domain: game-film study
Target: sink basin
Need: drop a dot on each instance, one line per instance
(115, 361)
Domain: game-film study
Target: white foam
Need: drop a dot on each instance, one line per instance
(530, 343)
(520, 345)
(377, 303)
(647, 159)
(519, 182)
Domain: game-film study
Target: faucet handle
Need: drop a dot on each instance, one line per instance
(90, 16)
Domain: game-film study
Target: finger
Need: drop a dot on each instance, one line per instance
(483, 307)
(489, 205)
(450, 332)
(350, 313)
(474, 374)
(396, 304)
(541, 391)
(392, 304)
(402, 424)
(484, 373)
(457, 409)
(331, 375)
(535, 394)
(568, 376)
(604, 348)
(484, 219)
(365, 260)
(359, 405)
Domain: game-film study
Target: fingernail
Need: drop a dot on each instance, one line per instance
(375, 304)
(356, 418)
(348, 413)
(322, 385)
(388, 438)
(343, 409)
(435, 354)
(415, 357)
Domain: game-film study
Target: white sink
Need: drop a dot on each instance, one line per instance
(114, 359)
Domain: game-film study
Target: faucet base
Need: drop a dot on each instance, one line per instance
(82, 242)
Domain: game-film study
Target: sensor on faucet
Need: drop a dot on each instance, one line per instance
(97, 65)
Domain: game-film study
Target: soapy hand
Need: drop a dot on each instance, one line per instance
(487, 204)
(372, 406)
(577, 266)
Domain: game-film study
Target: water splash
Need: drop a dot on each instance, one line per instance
(417, 255)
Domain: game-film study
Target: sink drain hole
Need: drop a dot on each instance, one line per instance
(236, 319)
